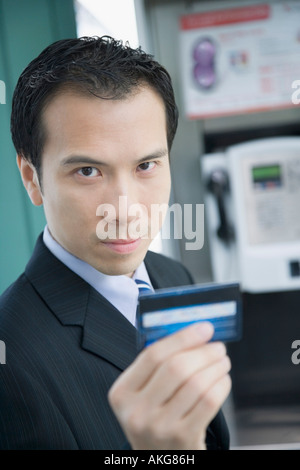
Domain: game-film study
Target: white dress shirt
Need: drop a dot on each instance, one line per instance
(120, 291)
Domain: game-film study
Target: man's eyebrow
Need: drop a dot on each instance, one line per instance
(158, 154)
(79, 159)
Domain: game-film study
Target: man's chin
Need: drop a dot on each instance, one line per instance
(117, 261)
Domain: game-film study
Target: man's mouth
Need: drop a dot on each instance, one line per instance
(122, 246)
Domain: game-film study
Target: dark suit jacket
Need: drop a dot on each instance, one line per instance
(65, 346)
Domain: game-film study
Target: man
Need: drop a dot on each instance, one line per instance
(93, 123)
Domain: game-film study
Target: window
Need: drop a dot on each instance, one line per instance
(115, 18)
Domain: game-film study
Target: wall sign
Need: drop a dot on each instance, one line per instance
(240, 60)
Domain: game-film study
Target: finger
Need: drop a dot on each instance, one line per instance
(206, 409)
(156, 354)
(179, 369)
(194, 389)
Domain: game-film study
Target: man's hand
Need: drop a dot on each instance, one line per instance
(173, 390)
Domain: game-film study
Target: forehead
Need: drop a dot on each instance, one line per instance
(74, 122)
(73, 112)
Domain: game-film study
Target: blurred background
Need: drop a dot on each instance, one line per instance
(235, 67)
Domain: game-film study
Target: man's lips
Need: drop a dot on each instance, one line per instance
(122, 241)
(122, 246)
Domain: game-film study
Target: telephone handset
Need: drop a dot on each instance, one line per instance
(218, 185)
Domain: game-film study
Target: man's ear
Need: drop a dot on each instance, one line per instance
(30, 180)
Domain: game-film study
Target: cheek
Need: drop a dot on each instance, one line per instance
(160, 190)
(163, 189)
(69, 208)
(157, 207)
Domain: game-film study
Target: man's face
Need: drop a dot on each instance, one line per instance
(111, 152)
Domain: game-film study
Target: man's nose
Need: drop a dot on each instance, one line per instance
(124, 196)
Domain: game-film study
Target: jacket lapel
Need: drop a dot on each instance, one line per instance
(156, 272)
(65, 293)
(162, 273)
(106, 332)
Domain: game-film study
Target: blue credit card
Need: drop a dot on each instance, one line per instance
(165, 311)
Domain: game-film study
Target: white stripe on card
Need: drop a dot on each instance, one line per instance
(189, 314)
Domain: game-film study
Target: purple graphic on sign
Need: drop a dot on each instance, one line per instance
(204, 71)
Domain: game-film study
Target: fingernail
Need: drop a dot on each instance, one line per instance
(220, 348)
(205, 330)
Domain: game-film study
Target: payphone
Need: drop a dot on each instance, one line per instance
(252, 206)
(252, 211)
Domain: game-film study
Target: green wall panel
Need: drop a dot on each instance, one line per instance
(26, 27)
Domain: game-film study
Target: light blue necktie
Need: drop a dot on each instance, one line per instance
(143, 286)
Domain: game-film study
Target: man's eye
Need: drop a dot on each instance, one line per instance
(88, 171)
(146, 166)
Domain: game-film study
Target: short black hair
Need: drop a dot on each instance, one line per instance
(101, 66)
